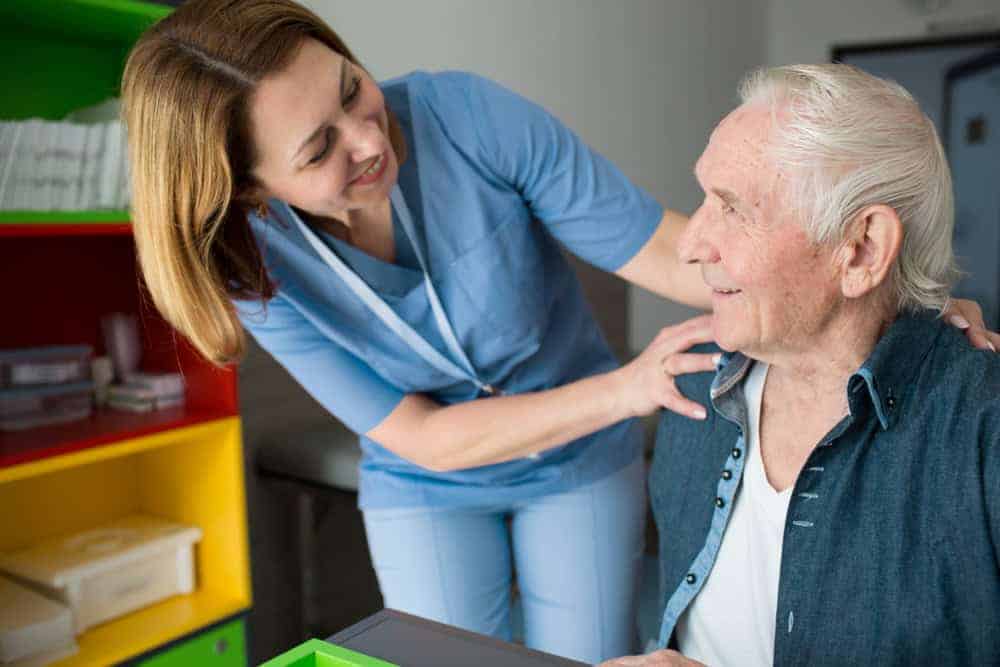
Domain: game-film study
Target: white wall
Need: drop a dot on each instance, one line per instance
(802, 31)
(642, 81)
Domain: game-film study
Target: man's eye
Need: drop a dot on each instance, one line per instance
(727, 209)
(353, 92)
(323, 151)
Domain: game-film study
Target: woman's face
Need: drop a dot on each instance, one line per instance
(322, 135)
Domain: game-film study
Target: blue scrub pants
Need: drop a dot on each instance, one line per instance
(577, 556)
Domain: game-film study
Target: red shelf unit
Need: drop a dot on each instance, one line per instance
(58, 281)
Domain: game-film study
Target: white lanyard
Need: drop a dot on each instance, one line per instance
(388, 316)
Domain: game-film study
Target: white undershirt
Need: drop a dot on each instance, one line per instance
(731, 621)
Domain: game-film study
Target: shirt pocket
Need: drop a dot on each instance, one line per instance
(503, 284)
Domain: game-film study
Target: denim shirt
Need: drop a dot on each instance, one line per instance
(892, 540)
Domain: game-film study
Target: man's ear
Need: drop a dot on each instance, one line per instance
(869, 249)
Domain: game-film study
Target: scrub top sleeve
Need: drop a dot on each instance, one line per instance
(336, 378)
(584, 200)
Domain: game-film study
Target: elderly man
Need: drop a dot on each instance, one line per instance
(841, 503)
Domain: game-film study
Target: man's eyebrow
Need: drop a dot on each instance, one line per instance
(726, 196)
(318, 132)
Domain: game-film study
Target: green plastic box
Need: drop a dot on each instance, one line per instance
(317, 653)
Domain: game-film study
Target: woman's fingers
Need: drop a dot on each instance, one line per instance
(681, 341)
(676, 402)
(983, 339)
(670, 396)
(648, 380)
(968, 316)
(967, 310)
(696, 327)
(669, 352)
(681, 363)
(993, 340)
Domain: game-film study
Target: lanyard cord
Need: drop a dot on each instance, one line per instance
(388, 316)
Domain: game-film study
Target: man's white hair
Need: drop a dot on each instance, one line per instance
(849, 140)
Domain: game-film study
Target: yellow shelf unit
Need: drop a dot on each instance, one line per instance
(190, 475)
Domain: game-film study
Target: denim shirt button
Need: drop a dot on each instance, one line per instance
(690, 578)
(720, 503)
(736, 453)
(891, 402)
(727, 474)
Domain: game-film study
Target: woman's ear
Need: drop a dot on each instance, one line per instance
(252, 198)
(869, 249)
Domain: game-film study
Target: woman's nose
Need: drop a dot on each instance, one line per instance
(362, 138)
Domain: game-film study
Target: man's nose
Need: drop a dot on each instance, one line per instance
(694, 245)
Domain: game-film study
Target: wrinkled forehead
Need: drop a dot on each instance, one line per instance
(737, 155)
(739, 141)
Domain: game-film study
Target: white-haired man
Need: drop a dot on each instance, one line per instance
(841, 503)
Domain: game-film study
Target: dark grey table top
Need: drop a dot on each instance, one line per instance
(411, 641)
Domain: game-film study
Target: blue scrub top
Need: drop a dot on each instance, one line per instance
(494, 184)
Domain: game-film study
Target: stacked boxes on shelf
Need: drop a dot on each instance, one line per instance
(63, 586)
(45, 385)
(32, 627)
(144, 392)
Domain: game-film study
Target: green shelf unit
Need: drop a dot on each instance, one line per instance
(223, 646)
(64, 55)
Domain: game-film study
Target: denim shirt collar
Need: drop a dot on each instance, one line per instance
(885, 374)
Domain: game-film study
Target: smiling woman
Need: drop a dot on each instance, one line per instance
(322, 133)
(346, 165)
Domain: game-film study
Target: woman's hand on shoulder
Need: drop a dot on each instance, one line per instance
(968, 316)
(647, 382)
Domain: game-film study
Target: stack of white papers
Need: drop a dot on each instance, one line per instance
(62, 166)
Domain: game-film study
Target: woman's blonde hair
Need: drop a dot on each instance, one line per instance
(186, 94)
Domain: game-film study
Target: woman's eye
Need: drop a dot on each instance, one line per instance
(727, 209)
(323, 151)
(349, 97)
(354, 90)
